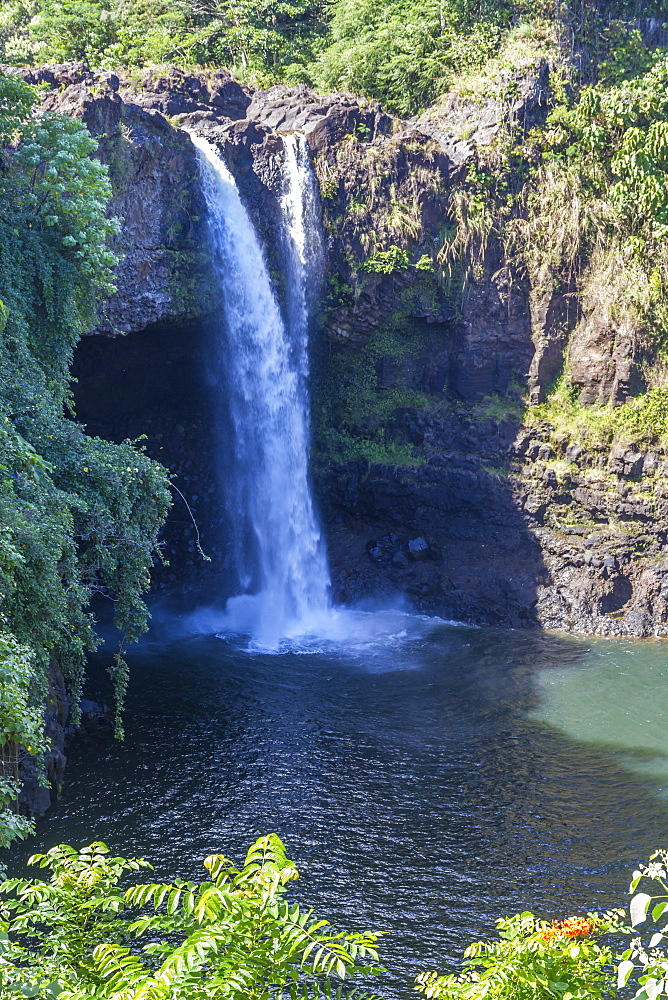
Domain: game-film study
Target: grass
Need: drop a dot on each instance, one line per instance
(341, 446)
(507, 406)
(521, 51)
(643, 421)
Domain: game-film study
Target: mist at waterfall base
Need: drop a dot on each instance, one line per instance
(424, 785)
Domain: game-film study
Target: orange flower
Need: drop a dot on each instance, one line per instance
(571, 927)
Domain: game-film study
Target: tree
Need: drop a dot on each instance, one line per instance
(405, 53)
(73, 29)
(265, 36)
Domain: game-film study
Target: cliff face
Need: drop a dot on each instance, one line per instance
(432, 477)
(161, 276)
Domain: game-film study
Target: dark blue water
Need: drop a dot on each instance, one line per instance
(409, 774)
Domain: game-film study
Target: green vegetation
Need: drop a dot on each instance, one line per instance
(267, 40)
(597, 205)
(402, 52)
(405, 54)
(564, 959)
(363, 389)
(85, 933)
(647, 960)
(81, 934)
(578, 207)
(533, 960)
(387, 261)
(643, 420)
(22, 730)
(77, 514)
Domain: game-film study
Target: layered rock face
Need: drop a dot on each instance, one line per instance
(428, 487)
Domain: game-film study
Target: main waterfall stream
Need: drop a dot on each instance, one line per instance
(263, 360)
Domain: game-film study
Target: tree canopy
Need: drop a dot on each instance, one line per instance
(401, 52)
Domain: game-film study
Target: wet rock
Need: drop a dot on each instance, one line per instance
(384, 550)
(96, 720)
(41, 788)
(176, 92)
(522, 443)
(453, 117)
(650, 463)
(53, 75)
(400, 560)
(625, 461)
(418, 548)
(503, 548)
(323, 120)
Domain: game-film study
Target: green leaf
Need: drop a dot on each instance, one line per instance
(624, 970)
(638, 908)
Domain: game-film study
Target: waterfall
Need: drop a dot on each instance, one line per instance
(281, 560)
(306, 256)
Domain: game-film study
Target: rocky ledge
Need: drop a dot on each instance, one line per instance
(141, 123)
(504, 525)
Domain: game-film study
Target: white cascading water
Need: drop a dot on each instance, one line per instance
(281, 555)
(306, 256)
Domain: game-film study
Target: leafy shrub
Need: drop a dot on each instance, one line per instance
(81, 935)
(387, 261)
(533, 960)
(564, 960)
(647, 960)
(22, 727)
(77, 514)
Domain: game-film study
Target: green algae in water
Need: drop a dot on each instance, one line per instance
(615, 698)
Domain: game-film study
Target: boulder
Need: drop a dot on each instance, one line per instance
(418, 548)
(323, 120)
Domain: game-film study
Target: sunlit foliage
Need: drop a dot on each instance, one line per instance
(83, 934)
(78, 514)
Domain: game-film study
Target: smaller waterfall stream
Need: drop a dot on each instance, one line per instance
(282, 565)
(306, 255)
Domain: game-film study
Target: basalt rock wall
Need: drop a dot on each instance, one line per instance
(428, 487)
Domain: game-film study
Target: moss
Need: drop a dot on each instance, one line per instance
(510, 405)
(356, 409)
(496, 472)
(191, 283)
(374, 195)
(117, 154)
